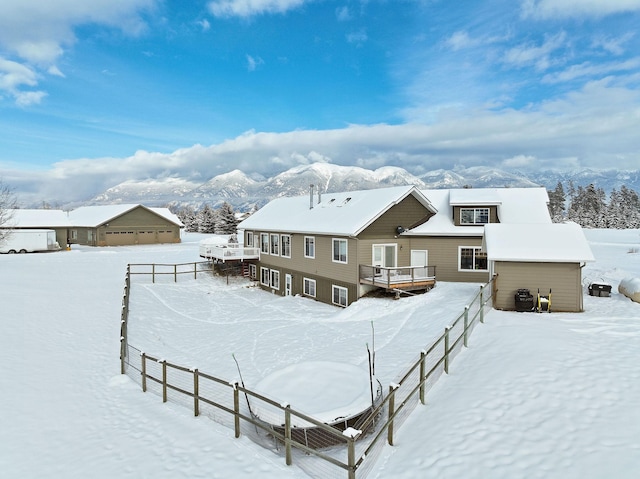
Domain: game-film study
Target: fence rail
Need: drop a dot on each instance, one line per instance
(338, 451)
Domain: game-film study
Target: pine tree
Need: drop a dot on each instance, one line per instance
(207, 220)
(189, 218)
(227, 221)
(557, 200)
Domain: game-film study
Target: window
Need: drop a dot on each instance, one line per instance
(285, 246)
(339, 251)
(309, 247)
(253, 274)
(264, 243)
(274, 244)
(74, 234)
(264, 276)
(250, 238)
(310, 287)
(339, 295)
(275, 279)
(472, 259)
(474, 216)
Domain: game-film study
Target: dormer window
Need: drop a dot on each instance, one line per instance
(474, 216)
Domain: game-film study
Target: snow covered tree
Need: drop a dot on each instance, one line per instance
(7, 205)
(207, 220)
(188, 217)
(227, 222)
(557, 200)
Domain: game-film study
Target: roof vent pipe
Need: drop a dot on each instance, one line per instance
(319, 195)
(310, 197)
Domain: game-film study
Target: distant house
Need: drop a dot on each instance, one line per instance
(337, 247)
(103, 225)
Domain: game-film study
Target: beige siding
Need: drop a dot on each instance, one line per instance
(564, 280)
(406, 214)
(443, 254)
(138, 226)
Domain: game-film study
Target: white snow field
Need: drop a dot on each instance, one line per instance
(535, 395)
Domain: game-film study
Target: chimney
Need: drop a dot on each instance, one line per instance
(319, 196)
(310, 197)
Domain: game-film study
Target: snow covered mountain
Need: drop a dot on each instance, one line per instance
(244, 192)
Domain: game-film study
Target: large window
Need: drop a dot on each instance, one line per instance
(285, 246)
(472, 259)
(310, 287)
(249, 238)
(264, 276)
(275, 279)
(339, 295)
(309, 247)
(264, 243)
(340, 250)
(274, 244)
(474, 216)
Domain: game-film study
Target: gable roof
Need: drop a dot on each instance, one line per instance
(549, 243)
(38, 218)
(514, 205)
(343, 214)
(94, 216)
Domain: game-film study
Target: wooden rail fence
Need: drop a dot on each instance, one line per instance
(353, 450)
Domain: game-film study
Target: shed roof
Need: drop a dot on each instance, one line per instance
(544, 243)
(38, 218)
(93, 216)
(344, 214)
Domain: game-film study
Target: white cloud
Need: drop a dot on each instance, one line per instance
(591, 70)
(550, 9)
(253, 62)
(357, 38)
(537, 56)
(343, 14)
(248, 8)
(36, 33)
(28, 98)
(612, 45)
(204, 24)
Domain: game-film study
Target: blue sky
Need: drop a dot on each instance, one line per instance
(95, 93)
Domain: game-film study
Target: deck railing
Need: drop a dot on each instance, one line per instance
(229, 252)
(404, 276)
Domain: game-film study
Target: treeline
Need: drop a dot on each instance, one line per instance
(208, 220)
(589, 206)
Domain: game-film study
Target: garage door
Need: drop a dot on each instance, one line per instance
(146, 237)
(166, 236)
(120, 238)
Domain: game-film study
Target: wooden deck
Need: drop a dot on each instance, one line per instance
(407, 278)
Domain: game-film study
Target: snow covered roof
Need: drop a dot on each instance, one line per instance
(345, 214)
(93, 216)
(552, 243)
(32, 218)
(514, 205)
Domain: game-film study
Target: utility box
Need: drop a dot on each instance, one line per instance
(600, 289)
(524, 301)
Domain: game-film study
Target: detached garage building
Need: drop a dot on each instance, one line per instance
(537, 256)
(119, 225)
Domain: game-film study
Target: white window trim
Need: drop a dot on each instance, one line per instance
(250, 239)
(282, 237)
(475, 214)
(264, 274)
(277, 244)
(346, 295)
(313, 240)
(473, 270)
(274, 279)
(309, 281)
(262, 243)
(346, 252)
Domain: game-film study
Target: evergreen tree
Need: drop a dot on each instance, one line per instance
(207, 220)
(227, 221)
(557, 200)
(188, 217)
(629, 208)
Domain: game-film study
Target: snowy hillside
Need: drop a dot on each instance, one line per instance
(535, 395)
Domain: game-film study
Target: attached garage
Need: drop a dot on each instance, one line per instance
(544, 257)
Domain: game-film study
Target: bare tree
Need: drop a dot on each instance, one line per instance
(7, 205)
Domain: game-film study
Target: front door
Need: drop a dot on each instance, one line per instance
(287, 285)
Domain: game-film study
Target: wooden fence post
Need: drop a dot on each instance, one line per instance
(482, 303)
(392, 406)
(123, 349)
(446, 349)
(287, 434)
(153, 273)
(423, 369)
(175, 273)
(196, 393)
(466, 326)
(195, 270)
(143, 371)
(164, 379)
(236, 409)
(352, 435)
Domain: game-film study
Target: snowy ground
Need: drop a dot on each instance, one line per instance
(549, 396)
